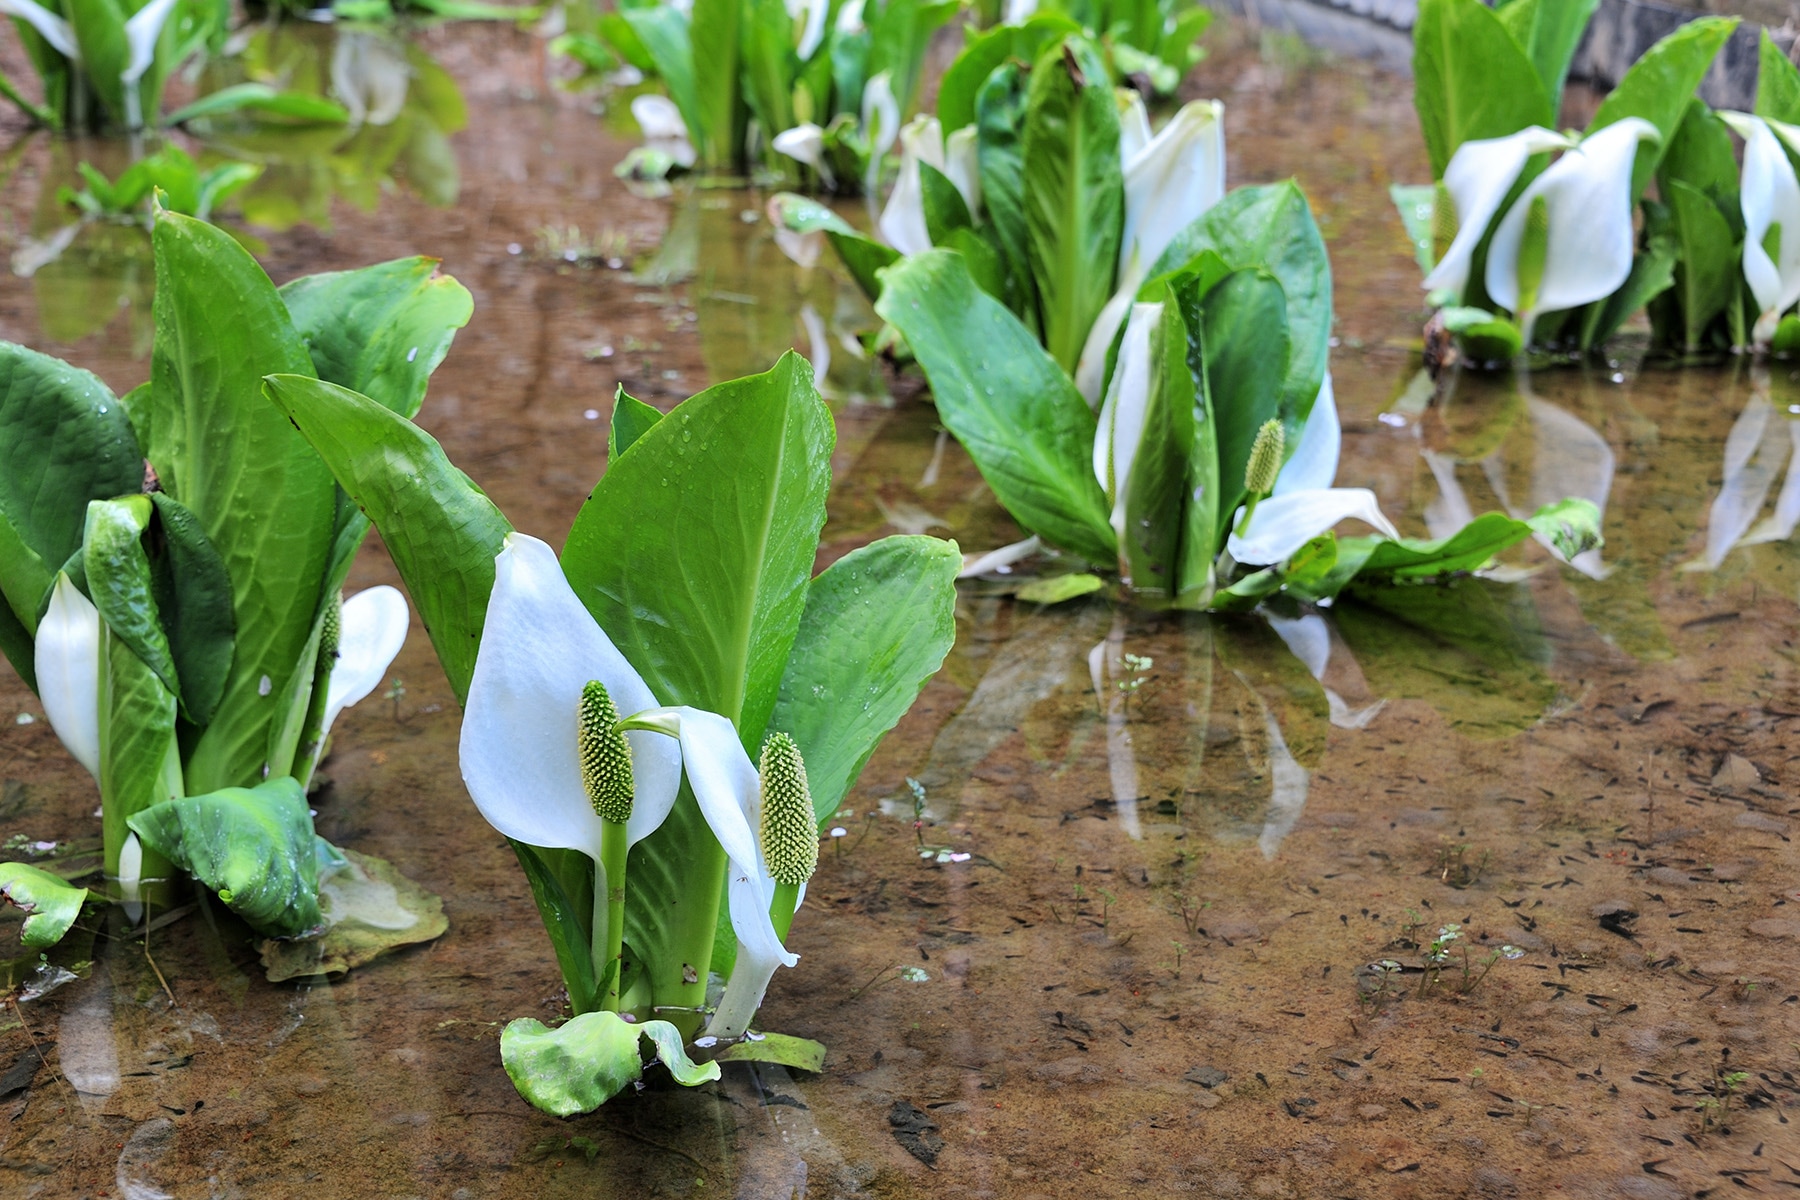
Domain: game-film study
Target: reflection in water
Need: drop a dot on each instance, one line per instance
(1760, 443)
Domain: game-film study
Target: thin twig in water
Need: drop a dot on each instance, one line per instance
(42, 1057)
(167, 991)
(872, 981)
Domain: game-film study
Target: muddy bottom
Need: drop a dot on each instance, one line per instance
(1190, 947)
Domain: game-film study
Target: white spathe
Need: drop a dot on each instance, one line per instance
(663, 128)
(1480, 174)
(813, 33)
(371, 630)
(1769, 195)
(1134, 122)
(1121, 426)
(729, 791)
(1587, 198)
(142, 30)
(1304, 504)
(66, 658)
(880, 119)
(1170, 181)
(902, 221)
(804, 143)
(51, 27)
(520, 758)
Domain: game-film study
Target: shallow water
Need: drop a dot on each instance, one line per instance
(1151, 976)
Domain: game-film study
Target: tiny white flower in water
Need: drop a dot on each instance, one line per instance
(66, 658)
(663, 128)
(1170, 181)
(370, 77)
(1769, 195)
(1585, 199)
(520, 741)
(1476, 181)
(1304, 503)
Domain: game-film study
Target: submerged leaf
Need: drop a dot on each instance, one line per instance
(253, 846)
(369, 909)
(1060, 588)
(583, 1063)
(795, 1053)
(50, 903)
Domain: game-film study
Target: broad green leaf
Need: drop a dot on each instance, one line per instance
(1702, 156)
(877, 625)
(663, 32)
(17, 644)
(1652, 273)
(120, 585)
(1415, 203)
(583, 1063)
(380, 330)
(963, 81)
(797, 1054)
(945, 208)
(1199, 545)
(1659, 85)
(631, 420)
(899, 32)
(253, 846)
(1000, 161)
(235, 461)
(1015, 411)
(442, 532)
(1573, 526)
(1244, 331)
(299, 107)
(49, 902)
(1471, 79)
(140, 760)
(99, 27)
(1074, 193)
(711, 523)
(64, 440)
(863, 257)
(193, 597)
(1777, 82)
(1272, 227)
(766, 62)
(1548, 31)
(713, 35)
(1157, 492)
(985, 264)
(803, 214)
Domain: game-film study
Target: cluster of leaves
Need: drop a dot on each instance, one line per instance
(1489, 73)
(694, 554)
(734, 66)
(213, 543)
(1150, 44)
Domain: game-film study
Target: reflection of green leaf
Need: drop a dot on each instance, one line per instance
(877, 625)
(799, 1054)
(253, 846)
(1471, 648)
(583, 1063)
(50, 903)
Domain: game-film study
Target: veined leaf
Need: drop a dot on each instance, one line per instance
(583, 1063)
(863, 257)
(877, 625)
(631, 419)
(442, 531)
(1000, 161)
(711, 522)
(663, 32)
(1548, 31)
(963, 81)
(1244, 330)
(767, 63)
(567, 919)
(1471, 79)
(1272, 227)
(718, 97)
(380, 330)
(253, 846)
(50, 903)
(1659, 85)
(1702, 155)
(1777, 82)
(119, 583)
(64, 440)
(1706, 278)
(1157, 491)
(1015, 411)
(899, 32)
(140, 762)
(945, 209)
(234, 461)
(1074, 193)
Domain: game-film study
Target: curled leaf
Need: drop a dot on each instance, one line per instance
(583, 1063)
(50, 903)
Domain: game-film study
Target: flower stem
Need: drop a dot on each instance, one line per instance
(613, 845)
(1249, 511)
(781, 909)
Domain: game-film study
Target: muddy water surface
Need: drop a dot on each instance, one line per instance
(1192, 843)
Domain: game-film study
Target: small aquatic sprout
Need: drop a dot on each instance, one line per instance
(914, 974)
(396, 692)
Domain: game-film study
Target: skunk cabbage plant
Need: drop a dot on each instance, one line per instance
(786, 85)
(1151, 45)
(659, 719)
(1529, 238)
(172, 563)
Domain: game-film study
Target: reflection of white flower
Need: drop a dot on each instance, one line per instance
(1304, 504)
(370, 77)
(1769, 195)
(1587, 200)
(663, 128)
(1760, 443)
